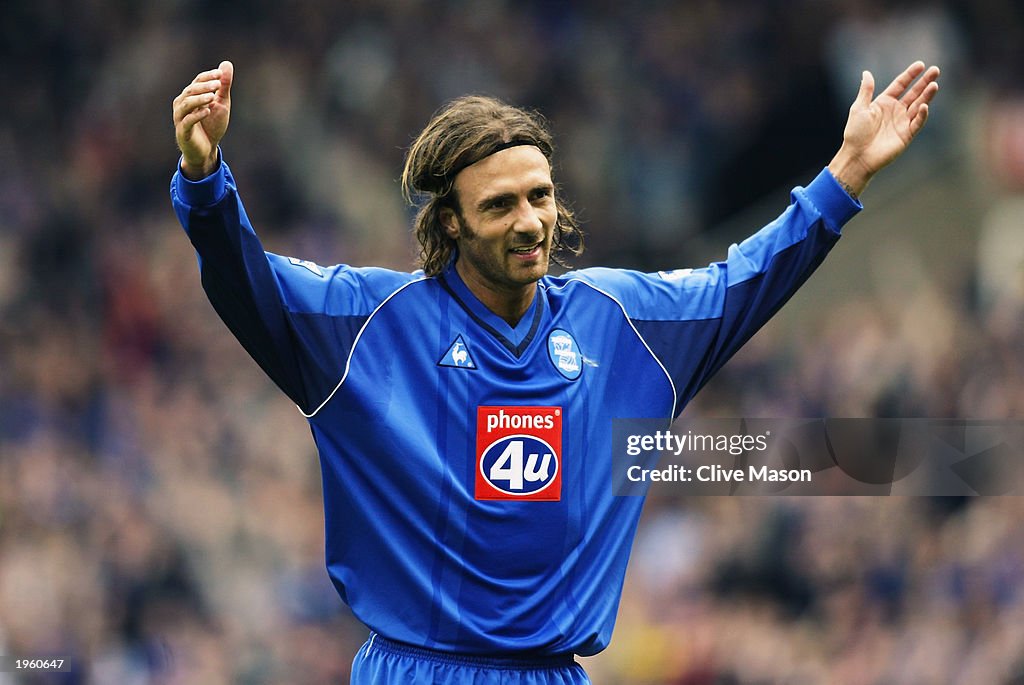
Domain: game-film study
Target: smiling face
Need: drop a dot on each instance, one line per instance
(505, 227)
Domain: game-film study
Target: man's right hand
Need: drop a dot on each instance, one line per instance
(201, 114)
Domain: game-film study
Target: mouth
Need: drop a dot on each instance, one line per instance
(527, 252)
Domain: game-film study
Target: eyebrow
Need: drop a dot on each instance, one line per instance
(493, 200)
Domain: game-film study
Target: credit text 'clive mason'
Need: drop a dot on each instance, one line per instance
(690, 442)
(714, 473)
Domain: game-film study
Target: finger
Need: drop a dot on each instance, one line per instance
(928, 95)
(227, 77)
(901, 82)
(922, 101)
(191, 91)
(207, 75)
(867, 90)
(189, 104)
(191, 119)
(918, 122)
(201, 87)
(923, 83)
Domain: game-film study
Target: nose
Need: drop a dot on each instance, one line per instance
(527, 219)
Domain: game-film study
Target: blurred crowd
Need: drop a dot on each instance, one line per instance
(160, 514)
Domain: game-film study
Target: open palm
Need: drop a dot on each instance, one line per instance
(880, 129)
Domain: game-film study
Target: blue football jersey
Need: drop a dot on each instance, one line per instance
(467, 463)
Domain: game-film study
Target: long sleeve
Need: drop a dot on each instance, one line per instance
(693, 320)
(296, 319)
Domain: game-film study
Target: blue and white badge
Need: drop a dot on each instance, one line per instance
(564, 353)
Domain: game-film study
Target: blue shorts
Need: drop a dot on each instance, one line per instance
(381, 661)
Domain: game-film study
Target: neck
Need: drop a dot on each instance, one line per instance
(509, 304)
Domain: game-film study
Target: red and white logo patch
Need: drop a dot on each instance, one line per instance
(519, 453)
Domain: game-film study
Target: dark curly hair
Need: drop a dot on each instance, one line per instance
(461, 133)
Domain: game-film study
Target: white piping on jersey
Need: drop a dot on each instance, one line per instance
(625, 314)
(630, 322)
(355, 342)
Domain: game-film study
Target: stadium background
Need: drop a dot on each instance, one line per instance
(160, 512)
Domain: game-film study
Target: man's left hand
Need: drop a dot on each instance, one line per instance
(880, 129)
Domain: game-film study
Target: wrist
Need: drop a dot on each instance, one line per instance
(196, 170)
(850, 172)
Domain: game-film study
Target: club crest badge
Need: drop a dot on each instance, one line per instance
(565, 354)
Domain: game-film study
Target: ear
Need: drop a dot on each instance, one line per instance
(450, 222)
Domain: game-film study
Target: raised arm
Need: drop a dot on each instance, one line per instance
(267, 301)
(298, 320)
(880, 129)
(693, 320)
(201, 113)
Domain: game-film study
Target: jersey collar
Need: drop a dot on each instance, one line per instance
(514, 338)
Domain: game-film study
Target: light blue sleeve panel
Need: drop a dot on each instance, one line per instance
(297, 319)
(695, 319)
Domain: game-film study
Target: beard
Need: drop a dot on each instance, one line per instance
(496, 260)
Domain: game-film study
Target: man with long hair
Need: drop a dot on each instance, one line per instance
(463, 412)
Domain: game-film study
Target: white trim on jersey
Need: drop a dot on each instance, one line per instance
(675, 396)
(355, 343)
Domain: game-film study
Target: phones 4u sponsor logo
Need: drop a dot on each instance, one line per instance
(519, 453)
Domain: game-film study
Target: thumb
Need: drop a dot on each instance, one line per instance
(867, 90)
(227, 76)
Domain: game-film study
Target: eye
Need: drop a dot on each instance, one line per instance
(497, 204)
(540, 194)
